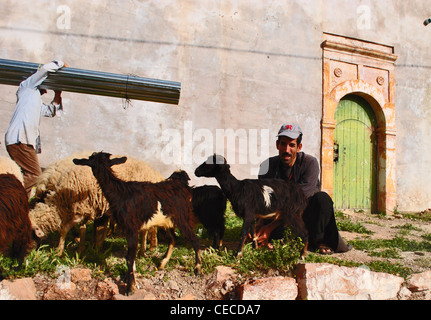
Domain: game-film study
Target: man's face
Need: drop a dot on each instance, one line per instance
(287, 150)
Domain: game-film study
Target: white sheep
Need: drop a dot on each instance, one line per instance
(71, 196)
(7, 165)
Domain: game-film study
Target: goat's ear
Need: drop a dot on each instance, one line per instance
(180, 175)
(216, 159)
(220, 160)
(115, 161)
(81, 162)
(185, 175)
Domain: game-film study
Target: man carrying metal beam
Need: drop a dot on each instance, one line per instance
(94, 82)
(23, 134)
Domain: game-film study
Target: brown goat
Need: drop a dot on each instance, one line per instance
(164, 204)
(15, 226)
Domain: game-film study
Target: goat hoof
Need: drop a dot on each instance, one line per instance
(131, 290)
(197, 270)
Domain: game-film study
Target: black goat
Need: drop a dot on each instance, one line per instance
(282, 201)
(209, 206)
(15, 225)
(164, 204)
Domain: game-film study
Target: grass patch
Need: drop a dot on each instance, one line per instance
(283, 257)
(233, 225)
(42, 260)
(417, 216)
(345, 224)
(390, 253)
(405, 229)
(398, 242)
(396, 269)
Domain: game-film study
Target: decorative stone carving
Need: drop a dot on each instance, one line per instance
(338, 72)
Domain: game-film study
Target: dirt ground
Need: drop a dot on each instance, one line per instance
(388, 228)
(164, 285)
(179, 284)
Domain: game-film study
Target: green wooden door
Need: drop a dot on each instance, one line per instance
(355, 155)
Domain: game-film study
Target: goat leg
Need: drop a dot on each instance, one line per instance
(190, 236)
(63, 233)
(82, 229)
(100, 230)
(304, 251)
(148, 234)
(247, 228)
(144, 236)
(132, 243)
(170, 249)
(198, 263)
(153, 237)
(217, 241)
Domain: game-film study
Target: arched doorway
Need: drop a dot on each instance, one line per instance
(365, 69)
(355, 149)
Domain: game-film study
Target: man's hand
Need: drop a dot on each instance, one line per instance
(263, 233)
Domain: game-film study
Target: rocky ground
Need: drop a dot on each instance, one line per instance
(82, 283)
(164, 285)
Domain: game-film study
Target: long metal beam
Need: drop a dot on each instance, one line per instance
(12, 72)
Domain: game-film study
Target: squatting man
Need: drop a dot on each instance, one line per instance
(291, 164)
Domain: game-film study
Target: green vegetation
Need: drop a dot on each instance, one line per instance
(401, 243)
(345, 224)
(109, 261)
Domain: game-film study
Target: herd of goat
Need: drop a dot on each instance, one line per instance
(169, 204)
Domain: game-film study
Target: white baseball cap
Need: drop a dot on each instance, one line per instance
(293, 131)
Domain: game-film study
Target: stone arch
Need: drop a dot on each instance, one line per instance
(361, 88)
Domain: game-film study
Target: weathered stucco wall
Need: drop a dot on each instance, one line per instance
(245, 68)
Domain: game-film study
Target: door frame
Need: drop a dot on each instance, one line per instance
(367, 69)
